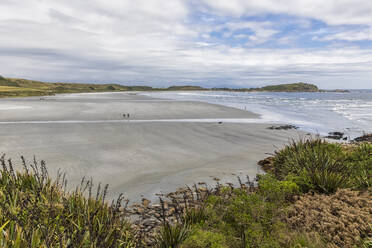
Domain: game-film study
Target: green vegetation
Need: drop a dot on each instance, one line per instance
(266, 217)
(325, 167)
(13, 87)
(250, 220)
(36, 211)
(317, 195)
(237, 217)
(5, 82)
(296, 87)
(186, 87)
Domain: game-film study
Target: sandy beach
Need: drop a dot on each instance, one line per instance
(164, 144)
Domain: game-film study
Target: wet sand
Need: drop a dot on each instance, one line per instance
(163, 145)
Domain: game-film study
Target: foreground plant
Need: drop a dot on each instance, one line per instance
(36, 211)
(234, 217)
(315, 164)
(277, 213)
(343, 219)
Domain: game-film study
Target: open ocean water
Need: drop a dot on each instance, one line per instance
(320, 113)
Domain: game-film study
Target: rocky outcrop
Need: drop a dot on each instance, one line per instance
(336, 136)
(364, 138)
(283, 127)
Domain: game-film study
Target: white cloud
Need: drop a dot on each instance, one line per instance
(334, 12)
(155, 42)
(263, 31)
(350, 35)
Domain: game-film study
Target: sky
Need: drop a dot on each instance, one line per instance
(212, 43)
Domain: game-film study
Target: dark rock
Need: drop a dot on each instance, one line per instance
(284, 127)
(364, 138)
(335, 135)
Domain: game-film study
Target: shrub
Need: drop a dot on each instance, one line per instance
(366, 243)
(172, 236)
(35, 211)
(205, 239)
(307, 240)
(275, 190)
(359, 160)
(324, 167)
(343, 218)
(253, 220)
(305, 154)
(233, 217)
(195, 216)
(246, 219)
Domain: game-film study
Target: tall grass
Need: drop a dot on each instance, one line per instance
(36, 211)
(172, 236)
(360, 162)
(318, 165)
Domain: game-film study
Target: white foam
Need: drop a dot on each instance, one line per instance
(201, 94)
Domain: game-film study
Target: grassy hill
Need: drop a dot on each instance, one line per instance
(186, 87)
(15, 87)
(296, 87)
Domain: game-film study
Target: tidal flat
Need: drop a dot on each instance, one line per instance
(160, 146)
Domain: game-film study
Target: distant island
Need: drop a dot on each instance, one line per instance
(14, 87)
(295, 87)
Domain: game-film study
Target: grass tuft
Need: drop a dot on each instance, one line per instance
(315, 164)
(36, 211)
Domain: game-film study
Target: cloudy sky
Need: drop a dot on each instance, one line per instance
(235, 43)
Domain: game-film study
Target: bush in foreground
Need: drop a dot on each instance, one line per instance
(343, 219)
(237, 217)
(324, 167)
(36, 211)
(270, 215)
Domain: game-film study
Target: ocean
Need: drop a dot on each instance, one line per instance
(316, 112)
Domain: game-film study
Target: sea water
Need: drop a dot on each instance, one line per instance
(316, 112)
